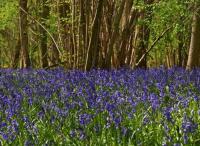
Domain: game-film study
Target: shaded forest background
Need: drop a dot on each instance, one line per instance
(86, 34)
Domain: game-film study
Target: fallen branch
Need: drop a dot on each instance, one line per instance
(154, 43)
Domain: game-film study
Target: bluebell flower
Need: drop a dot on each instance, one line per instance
(117, 121)
(3, 124)
(189, 126)
(146, 120)
(196, 98)
(15, 126)
(124, 131)
(52, 120)
(167, 114)
(4, 135)
(185, 139)
(72, 133)
(30, 101)
(82, 135)
(41, 114)
(85, 119)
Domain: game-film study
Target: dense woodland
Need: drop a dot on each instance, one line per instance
(86, 34)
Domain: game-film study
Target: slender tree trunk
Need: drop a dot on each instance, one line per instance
(87, 17)
(55, 57)
(133, 53)
(106, 34)
(126, 14)
(23, 26)
(83, 29)
(194, 51)
(130, 49)
(180, 49)
(17, 54)
(44, 42)
(168, 58)
(63, 13)
(126, 34)
(74, 41)
(114, 34)
(93, 49)
(156, 58)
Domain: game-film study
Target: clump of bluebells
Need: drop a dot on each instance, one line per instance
(117, 107)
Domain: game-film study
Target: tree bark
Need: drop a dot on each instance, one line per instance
(114, 35)
(17, 54)
(194, 51)
(93, 49)
(44, 42)
(126, 34)
(23, 26)
(180, 49)
(74, 41)
(64, 34)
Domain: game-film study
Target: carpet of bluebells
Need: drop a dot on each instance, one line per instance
(103, 108)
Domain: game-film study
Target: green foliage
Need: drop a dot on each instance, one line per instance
(175, 14)
(8, 13)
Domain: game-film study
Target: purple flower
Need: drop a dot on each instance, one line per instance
(196, 98)
(145, 120)
(15, 126)
(41, 114)
(117, 120)
(4, 136)
(167, 114)
(82, 135)
(185, 139)
(124, 131)
(189, 126)
(3, 124)
(72, 133)
(30, 101)
(84, 119)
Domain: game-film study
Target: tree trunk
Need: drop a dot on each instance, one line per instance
(44, 42)
(74, 41)
(114, 34)
(93, 49)
(194, 51)
(83, 30)
(17, 54)
(180, 49)
(64, 34)
(23, 27)
(126, 34)
(126, 13)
